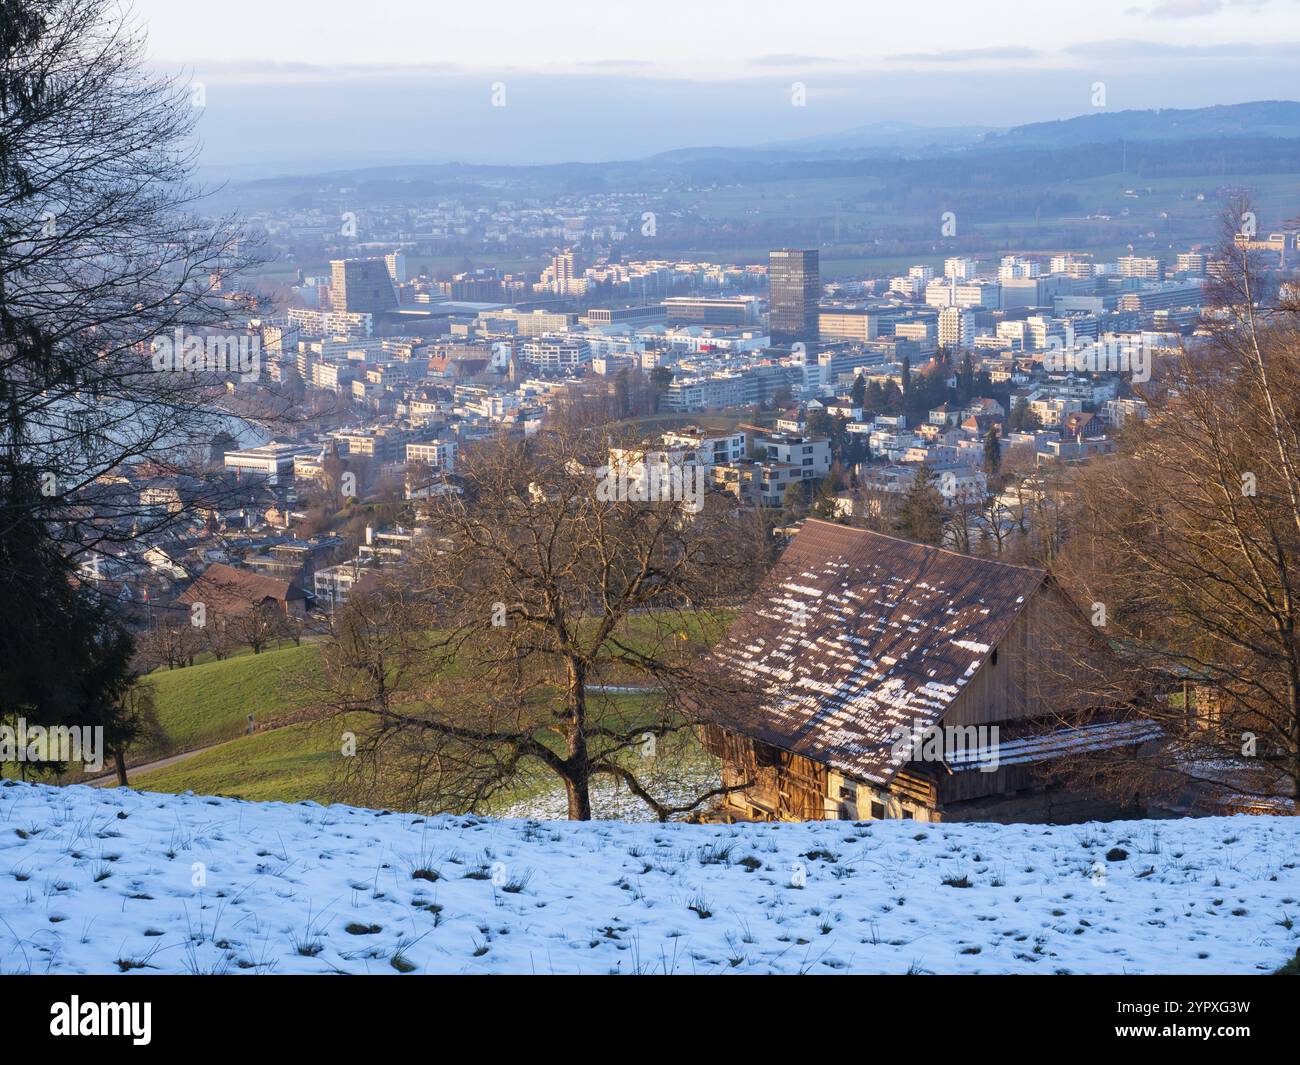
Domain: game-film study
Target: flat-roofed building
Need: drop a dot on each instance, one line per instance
(529, 323)
(707, 446)
(758, 482)
(1146, 267)
(356, 325)
(598, 316)
(712, 310)
(272, 461)
(555, 354)
(812, 454)
(848, 323)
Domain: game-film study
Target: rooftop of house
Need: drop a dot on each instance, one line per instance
(226, 590)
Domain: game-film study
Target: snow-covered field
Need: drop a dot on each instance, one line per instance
(102, 881)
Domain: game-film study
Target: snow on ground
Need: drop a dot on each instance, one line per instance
(612, 800)
(115, 880)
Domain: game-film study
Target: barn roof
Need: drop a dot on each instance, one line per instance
(891, 632)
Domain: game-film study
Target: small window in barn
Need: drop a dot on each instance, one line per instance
(907, 815)
(848, 791)
(993, 658)
(877, 811)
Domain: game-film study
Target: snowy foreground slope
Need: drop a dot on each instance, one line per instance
(102, 881)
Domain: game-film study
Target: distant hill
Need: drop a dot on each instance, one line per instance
(1236, 139)
(1260, 119)
(902, 136)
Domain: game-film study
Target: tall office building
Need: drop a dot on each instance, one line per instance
(956, 328)
(361, 285)
(566, 274)
(794, 279)
(396, 263)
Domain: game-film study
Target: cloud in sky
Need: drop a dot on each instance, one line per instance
(1133, 48)
(715, 40)
(970, 55)
(792, 60)
(407, 80)
(1175, 10)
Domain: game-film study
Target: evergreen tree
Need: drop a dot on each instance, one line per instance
(622, 393)
(111, 699)
(992, 451)
(795, 499)
(825, 505)
(660, 378)
(922, 515)
(894, 402)
(1022, 418)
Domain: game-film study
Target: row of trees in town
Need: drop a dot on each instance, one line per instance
(174, 641)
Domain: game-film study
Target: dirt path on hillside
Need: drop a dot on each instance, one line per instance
(110, 781)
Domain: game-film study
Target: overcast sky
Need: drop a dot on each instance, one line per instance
(292, 83)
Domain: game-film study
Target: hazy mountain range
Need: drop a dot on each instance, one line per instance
(1263, 134)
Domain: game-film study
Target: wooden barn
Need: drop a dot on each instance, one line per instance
(889, 679)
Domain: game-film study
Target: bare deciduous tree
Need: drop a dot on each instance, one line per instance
(102, 254)
(544, 625)
(1186, 546)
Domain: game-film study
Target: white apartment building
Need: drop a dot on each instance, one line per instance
(1015, 267)
(333, 585)
(910, 287)
(683, 447)
(436, 454)
(351, 324)
(710, 448)
(555, 353)
(812, 454)
(1147, 268)
(1051, 411)
(949, 292)
(1117, 411)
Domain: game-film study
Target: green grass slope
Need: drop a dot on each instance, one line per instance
(208, 703)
